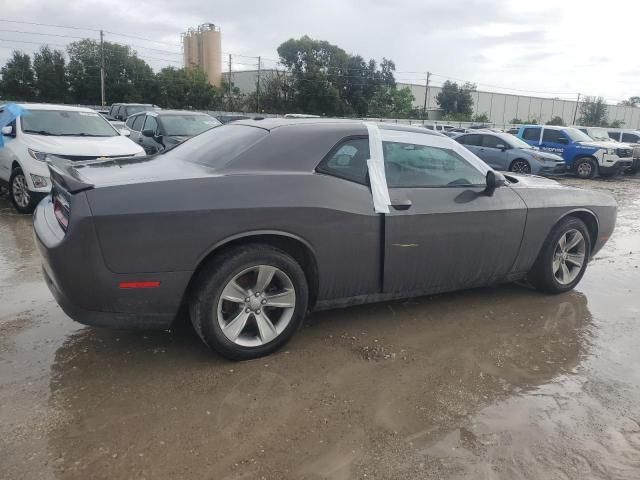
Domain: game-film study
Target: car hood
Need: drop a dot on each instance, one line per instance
(522, 180)
(145, 169)
(83, 146)
(600, 144)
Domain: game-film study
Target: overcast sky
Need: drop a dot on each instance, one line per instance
(553, 47)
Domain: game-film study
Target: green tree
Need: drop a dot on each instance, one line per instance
(392, 102)
(556, 121)
(455, 100)
(630, 102)
(17, 78)
(516, 121)
(481, 118)
(128, 78)
(275, 94)
(593, 112)
(617, 124)
(50, 74)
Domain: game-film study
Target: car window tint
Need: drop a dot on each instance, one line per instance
(629, 138)
(552, 136)
(531, 134)
(473, 139)
(614, 135)
(137, 123)
(129, 123)
(151, 123)
(348, 160)
(410, 165)
(491, 141)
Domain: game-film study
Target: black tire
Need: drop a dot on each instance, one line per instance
(520, 165)
(30, 206)
(218, 273)
(585, 167)
(541, 275)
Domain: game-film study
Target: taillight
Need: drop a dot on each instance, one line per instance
(61, 210)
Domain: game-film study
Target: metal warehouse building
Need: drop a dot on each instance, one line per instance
(501, 108)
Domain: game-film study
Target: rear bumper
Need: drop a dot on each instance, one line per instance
(90, 293)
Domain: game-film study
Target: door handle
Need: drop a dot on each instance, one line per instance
(404, 204)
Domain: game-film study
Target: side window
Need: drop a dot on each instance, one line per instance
(137, 123)
(409, 165)
(348, 160)
(151, 123)
(629, 138)
(531, 134)
(129, 123)
(472, 139)
(118, 111)
(614, 135)
(552, 136)
(491, 141)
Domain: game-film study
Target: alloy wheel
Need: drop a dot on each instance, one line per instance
(520, 166)
(256, 306)
(569, 256)
(20, 191)
(584, 169)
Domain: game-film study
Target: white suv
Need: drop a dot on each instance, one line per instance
(74, 133)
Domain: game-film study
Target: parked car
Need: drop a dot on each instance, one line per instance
(157, 131)
(74, 133)
(230, 118)
(583, 155)
(122, 111)
(502, 151)
(513, 130)
(631, 138)
(252, 224)
(438, 127)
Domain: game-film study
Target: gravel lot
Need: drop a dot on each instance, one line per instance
(496, 383)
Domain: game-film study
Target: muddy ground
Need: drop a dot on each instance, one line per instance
(501, 383)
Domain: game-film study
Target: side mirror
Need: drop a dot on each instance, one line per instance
(8, 130)
(125, 132)
(494, 180)
(501, 147)
(148, 133)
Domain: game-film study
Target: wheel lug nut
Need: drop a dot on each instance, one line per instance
(258, 311)
(264, 300)
(247, 300)
(248, 310)
(257, 294)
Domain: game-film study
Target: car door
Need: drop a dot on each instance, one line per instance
(494, 151)
(444, 232)
(554, 141)
(151, 144)
(471, 142)
(136, 128)
(6, 154)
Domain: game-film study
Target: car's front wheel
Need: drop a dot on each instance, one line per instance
(586, 167)
(520, 166)
(248, 302)
(24, 201)
(563, 258)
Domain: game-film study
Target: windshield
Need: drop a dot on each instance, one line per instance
(515, 142)
(131, 109)
(187, 125)
(66, 123)
(598, 134)
(577, 136)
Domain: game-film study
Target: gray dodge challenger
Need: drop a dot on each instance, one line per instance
(250, 225)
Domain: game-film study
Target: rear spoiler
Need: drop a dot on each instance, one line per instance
(64, 174)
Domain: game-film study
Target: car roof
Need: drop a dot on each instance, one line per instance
(133, 104)
(274, 123)
(161, 113)
(50, 106)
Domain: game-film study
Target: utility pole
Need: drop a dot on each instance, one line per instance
(258, 87)
(575, 112)
(102, 68)
(426, 95)
(229, 86)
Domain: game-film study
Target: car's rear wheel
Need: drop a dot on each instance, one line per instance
(586, 167)
(563, 258)
(24, 201)
(520, 166)
(249, 301)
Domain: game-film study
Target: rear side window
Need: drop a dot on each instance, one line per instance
(491, 141)
(531, 134)
(348, 160)
(614, 136)
(137, 123)
(552, 136)
(129, 123)
(151, 123)
(472, 139)
(629, 138)
(219, 146)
